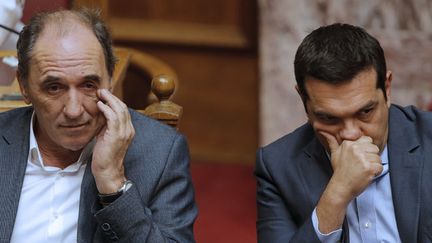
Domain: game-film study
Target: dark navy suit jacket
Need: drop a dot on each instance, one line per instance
(159, 207)
(293, 172)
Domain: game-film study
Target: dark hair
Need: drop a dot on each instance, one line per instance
(337, 53)
(30, 34)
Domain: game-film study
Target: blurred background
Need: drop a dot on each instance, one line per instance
(234, 63)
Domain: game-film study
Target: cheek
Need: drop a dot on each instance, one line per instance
(377, 131)
(93, 111)
(332, 129)
(48, 109)
(90, 106)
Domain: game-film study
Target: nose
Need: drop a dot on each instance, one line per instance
(73, 107)
(350, 131)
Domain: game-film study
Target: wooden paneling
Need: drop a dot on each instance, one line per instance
(212, 47)
(218, 90)
(157, 31)
(223, 12)
(33, 6)
(193, 22)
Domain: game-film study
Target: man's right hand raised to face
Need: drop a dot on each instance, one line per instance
(355, 164)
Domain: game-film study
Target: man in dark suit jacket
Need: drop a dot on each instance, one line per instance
(72, 167)
(358, 170)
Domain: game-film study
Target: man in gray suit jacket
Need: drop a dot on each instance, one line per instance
(72, 167)
(358, 170)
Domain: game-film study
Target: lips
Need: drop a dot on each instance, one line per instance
(74, 126)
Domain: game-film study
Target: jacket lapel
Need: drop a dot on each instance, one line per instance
(86, 222)
(316, 170)
(318, 181)
(14, 146)
(405, 162)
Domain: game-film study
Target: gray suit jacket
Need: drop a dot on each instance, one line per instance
(159, 207)
(293, 172)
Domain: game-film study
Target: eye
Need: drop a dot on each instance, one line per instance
(53, 88)
(365, 113)
(89, 85)
(327, 119)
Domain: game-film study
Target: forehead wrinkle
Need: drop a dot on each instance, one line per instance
(45, 63)
(343, 108)
(62, 54)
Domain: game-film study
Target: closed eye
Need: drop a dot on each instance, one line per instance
(327, 119)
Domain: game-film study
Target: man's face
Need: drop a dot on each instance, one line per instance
(349, 110)
(65, 73)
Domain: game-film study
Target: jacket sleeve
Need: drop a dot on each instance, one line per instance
(170, 216)
(275, 221)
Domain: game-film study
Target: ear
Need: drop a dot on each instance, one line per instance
(302, 97)
(389, 77)
(300, 93)
(24, 89)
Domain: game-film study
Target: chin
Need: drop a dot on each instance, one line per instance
(76, 145)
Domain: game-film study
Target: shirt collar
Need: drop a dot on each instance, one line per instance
(384, 156)
(35, 157)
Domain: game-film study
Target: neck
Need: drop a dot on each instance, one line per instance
(53, 154)
(60, 158)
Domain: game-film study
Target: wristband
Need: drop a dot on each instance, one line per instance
(106, 199)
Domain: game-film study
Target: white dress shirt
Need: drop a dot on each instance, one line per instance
(49, 203)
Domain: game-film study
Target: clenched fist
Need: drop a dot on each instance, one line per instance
(355, 164)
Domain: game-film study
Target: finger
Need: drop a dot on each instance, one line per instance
(112, 101)
(365, 139)
(117, 115)
(373, 158)
(373, 162)
(368, 145)
(108, 113)
(378, 169)
(372, 149)
(331, 141)
(119, 109)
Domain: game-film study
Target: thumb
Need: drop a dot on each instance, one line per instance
(331, 140)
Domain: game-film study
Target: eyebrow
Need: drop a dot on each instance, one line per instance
(49, 79)
(93, 77)
(370, 104)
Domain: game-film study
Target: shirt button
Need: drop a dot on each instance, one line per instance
(367, 225)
